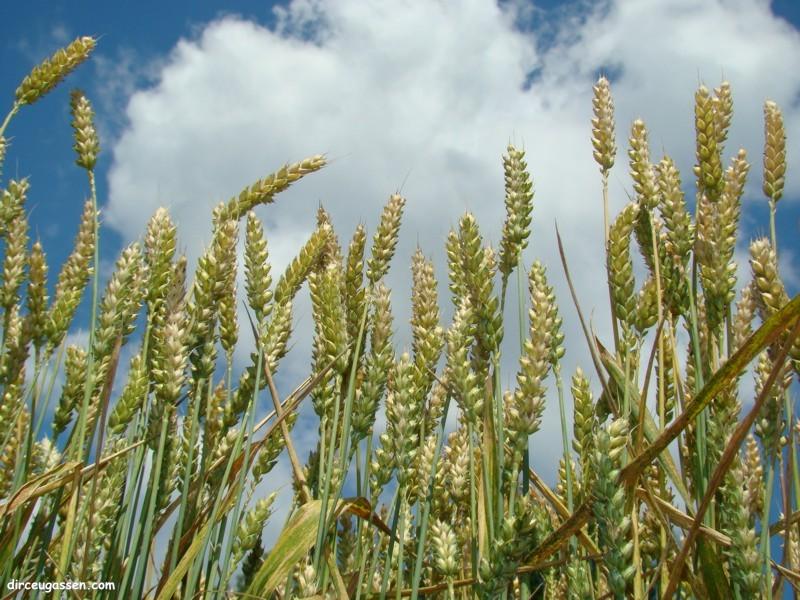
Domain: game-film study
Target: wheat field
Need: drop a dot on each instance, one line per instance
(148, 475)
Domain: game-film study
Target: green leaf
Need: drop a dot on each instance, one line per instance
(39, 486)
(714, 578)
(171, 585)
(296, 541)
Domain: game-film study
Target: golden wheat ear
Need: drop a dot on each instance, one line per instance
(51, 71)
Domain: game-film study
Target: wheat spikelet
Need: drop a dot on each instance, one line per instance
(479, 267)
(13, 429)
(305, 580)
(771, 422)
(11, 204)
(330, 340)
(774, 152)
(249, 532)
(354, 292)
(72, 279)
(72, 391)
(620, 265)
(745, 562)
(16, 243)
(132, 396)
(225, 285)
(377, 364)
(603, 140)
(102, 515)
(264, 190)
(561, 482)
(403, 414)
(332, 252)
(277, 335)
(384, 241)
(211, 291)
(456, 276)
(666, 378)
(709, 161)
(519, 533)
(436, 403)
(717, 227)
(427, 333)
(16, 347)
(465, 381)
(723, 111)
(47, 74)
(642, 171)
(445, 549)
(677, 220)
(519, 204)
(121, 301)
(584, 424)
(257, 269)
(46, 456)
(346, 545)
(297, 271)
(37, 295)
(528, 401)
(753, 477)
(456, 461)
(170, 357)
(771, 293)
(421, 469)
(117, 315)
(382, 463)
(87, 146)
(609, 508)
(160, 241)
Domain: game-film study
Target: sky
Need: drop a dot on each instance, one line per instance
(195, 101)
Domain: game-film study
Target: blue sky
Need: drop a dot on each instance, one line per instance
(194, 102)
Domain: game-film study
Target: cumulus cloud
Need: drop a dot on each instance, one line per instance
(427, 95)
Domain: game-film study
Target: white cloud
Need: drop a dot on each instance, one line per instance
(428, 94)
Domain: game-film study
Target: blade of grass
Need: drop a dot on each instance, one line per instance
(294, 542)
